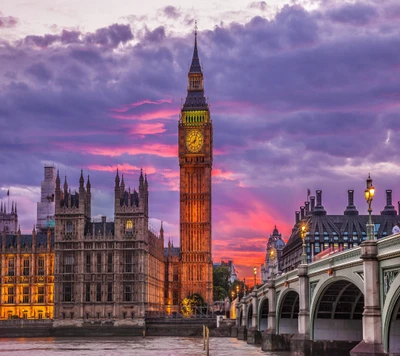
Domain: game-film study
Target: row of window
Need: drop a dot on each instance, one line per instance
(95, 293)
(97, 315)
(26, 295)
(25, 269)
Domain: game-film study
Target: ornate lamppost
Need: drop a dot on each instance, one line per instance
(237, 291)
(255, 275)
(303, 237)
(271, 263)
(369, 196)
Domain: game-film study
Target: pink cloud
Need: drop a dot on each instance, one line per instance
(148, 129)
(124, 168)
(125, 108)
(150, 115)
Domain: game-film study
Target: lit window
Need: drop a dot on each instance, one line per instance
(129, 226)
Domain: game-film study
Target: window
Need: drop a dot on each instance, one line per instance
(99, 262)
(10, 297)
(68, 292)
(69, 264)
(87, 315)
(128, 265)
(174, 296)
(98, 315)
(25, 271)
(127, 292)
(40, 266)
(109, 292)
(129, 226)
(68, 227)
(41, 294)
(40, 314)
(87, 294)
(175, 274)
(110, 262)
(98, 292)
(124, 315)
(11, 266)
(25, 295)
(88, 264)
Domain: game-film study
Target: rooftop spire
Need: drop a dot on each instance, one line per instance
(195, 66)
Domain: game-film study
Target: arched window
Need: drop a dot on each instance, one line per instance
(129, 226)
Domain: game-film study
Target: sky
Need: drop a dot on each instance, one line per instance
(303, 95)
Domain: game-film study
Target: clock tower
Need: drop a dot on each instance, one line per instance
(195, 140)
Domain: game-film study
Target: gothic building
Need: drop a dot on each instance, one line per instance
(106, 270)
(327, 233)
(273, 257)
(8, 217)
(195, 142)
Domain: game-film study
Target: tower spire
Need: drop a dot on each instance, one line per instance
(195, 67)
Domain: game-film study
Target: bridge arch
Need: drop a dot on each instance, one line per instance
(249, 315)
(288, 312)
(391, 318)
(263, 311)
(336, 310)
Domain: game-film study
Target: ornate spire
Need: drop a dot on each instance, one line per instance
(117, 179)
(88, 185)
(195, 67)
(81, 180)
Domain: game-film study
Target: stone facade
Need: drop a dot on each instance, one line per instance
(106, 270)
(27, 276)
(195, 142)
(327, 234)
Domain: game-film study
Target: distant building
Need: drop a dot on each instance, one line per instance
(46, 207)
(8, 218)
(229, 264)
(273, 257)
(328, 233)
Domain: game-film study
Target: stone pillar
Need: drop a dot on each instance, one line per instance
(271, 306)
(372, 322)
(234, 330)
(300, 344)
(253, 334)
(242, 331)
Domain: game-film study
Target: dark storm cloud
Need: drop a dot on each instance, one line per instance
(297, 102)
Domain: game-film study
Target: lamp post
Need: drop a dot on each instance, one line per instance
(303, 237)
(255, 275)
(233, 295)
(369, 196)
(271, 263)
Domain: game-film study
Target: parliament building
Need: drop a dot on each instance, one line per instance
(74, 270)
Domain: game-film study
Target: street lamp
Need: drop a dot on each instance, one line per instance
(237, 291)
(233, 295)
(255, 275)
(369, 196)
(303, 237)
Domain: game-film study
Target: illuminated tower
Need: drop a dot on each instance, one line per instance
(195, 160)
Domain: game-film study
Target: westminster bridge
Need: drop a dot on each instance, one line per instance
(347, 302)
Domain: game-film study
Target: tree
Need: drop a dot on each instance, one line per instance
(222, 284)
(192, 305)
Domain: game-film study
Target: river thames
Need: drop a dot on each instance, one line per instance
(149, 346)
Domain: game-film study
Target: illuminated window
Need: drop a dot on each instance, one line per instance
(25, 295)
(25, 271)
(41, 266)
(10, 297)
(40, 314)
(129, 226)
(41, 294)
(11, 266)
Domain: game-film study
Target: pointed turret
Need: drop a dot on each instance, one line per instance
(12, 207)
(88, 185)
(1, 207)
(117, 180)
(15, 208)
(81, 181)
(195, 66)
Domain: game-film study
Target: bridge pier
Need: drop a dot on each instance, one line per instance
(300, 343)
(372, 322)
(253, 334)
(242, 330)
(234, 330)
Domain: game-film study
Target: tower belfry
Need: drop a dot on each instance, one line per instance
(195, 161)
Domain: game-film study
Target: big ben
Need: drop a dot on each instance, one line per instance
(195, 140)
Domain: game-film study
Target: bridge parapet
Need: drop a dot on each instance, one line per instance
(389, 247)
(289, 277)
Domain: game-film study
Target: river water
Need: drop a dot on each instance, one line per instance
(149, 346)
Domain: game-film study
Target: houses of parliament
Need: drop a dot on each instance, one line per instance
(72, 269)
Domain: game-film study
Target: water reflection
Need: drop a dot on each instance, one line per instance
(149, 346)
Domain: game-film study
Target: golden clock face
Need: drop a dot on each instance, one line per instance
(194, 141)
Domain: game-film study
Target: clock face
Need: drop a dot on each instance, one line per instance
(194, 141)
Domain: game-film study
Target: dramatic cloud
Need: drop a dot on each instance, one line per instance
(304, 99)
(7, 21)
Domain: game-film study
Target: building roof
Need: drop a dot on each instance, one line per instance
(26, 240)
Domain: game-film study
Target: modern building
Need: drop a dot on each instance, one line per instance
(273, 257)
(46, 207)
(195, 142)
(326, 234)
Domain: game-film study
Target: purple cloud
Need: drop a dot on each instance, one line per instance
(7, 21)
